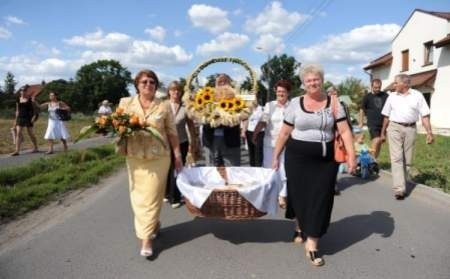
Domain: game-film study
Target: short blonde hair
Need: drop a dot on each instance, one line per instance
(311, 69)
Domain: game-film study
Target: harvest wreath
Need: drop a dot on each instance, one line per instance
(221, 105)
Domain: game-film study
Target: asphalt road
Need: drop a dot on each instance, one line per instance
(25, 156)
(371, 236)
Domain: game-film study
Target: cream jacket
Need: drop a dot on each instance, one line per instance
(142, 145)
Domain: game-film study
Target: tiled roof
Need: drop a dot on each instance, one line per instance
(418, 79)
(443, 42)
(383, 60)
(32, 90)
(444, 15)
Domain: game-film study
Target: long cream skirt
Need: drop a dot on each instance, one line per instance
(147, 182)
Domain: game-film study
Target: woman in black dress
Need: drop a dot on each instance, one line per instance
(25, 117)
(308, 133)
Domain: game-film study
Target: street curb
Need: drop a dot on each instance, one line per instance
(426, 191)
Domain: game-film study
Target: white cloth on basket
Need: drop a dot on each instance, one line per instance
(260, 185)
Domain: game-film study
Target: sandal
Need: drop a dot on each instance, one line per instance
(315, 258)
(299, 237)
(14, 154)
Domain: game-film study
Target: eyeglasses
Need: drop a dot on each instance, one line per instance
(148, 81)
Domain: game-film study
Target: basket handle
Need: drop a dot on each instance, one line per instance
(235, 60)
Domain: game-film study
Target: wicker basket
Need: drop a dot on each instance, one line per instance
(225, 204)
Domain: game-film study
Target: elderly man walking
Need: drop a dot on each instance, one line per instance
(401, 112)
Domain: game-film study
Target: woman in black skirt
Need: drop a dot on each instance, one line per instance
(308, 133)
(25, 118)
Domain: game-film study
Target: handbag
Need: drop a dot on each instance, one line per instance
(63, 115)
(340, 153)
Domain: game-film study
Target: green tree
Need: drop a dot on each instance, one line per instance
(103, 79)
(10, 83)
(262, 91)
(211, 80)
(354, 88)
(280, 67)
(66, 91)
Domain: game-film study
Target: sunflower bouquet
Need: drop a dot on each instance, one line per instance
(221, 105)
(217, 106)
(120, 124)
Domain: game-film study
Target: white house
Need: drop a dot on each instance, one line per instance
(421, 49)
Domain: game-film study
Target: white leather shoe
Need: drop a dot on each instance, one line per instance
(147, 252)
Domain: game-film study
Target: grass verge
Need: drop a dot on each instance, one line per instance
(73, 126)
(30, 186)
(430, 164)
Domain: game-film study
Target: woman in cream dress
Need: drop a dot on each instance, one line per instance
(147, 159)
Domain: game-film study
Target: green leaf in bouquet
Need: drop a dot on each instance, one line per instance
(156, 135)
(86, 131)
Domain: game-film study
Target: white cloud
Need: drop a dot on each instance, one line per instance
(13, 20)
(268, 43)
(158, 33)
(237, 12)
(336, 78)
(41, 49)
(28, 69)
(225, 42)
(97, 40)
(359, 45)
(42, 63)
(129, 51)
(4, 33)
(210, 18)
(274, 20)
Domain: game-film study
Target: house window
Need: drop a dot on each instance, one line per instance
(405, 60)
(428, 53)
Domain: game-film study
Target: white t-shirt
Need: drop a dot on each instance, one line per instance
(254, 118)
(104, 110)
(273, 116)
(405, 108)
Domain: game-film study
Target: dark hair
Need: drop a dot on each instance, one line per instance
(285, 84)
(147, 73)
(375, 80)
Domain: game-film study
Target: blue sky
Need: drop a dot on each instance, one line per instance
(50, 39)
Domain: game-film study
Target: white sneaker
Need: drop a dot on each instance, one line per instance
(176, 205)
(165, 200)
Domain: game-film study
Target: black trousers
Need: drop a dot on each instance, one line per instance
(172, 192)
(255, 151)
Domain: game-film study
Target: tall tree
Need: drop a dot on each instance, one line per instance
(262, 91)
(280, 67)
(10, 83)
(354, 88)
(103, 79)
(65, 90)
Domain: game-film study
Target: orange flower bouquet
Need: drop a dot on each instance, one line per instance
(120, 124)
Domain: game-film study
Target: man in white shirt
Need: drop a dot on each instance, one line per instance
(104, 108)
(401, 112)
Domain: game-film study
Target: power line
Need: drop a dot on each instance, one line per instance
(322, 6)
